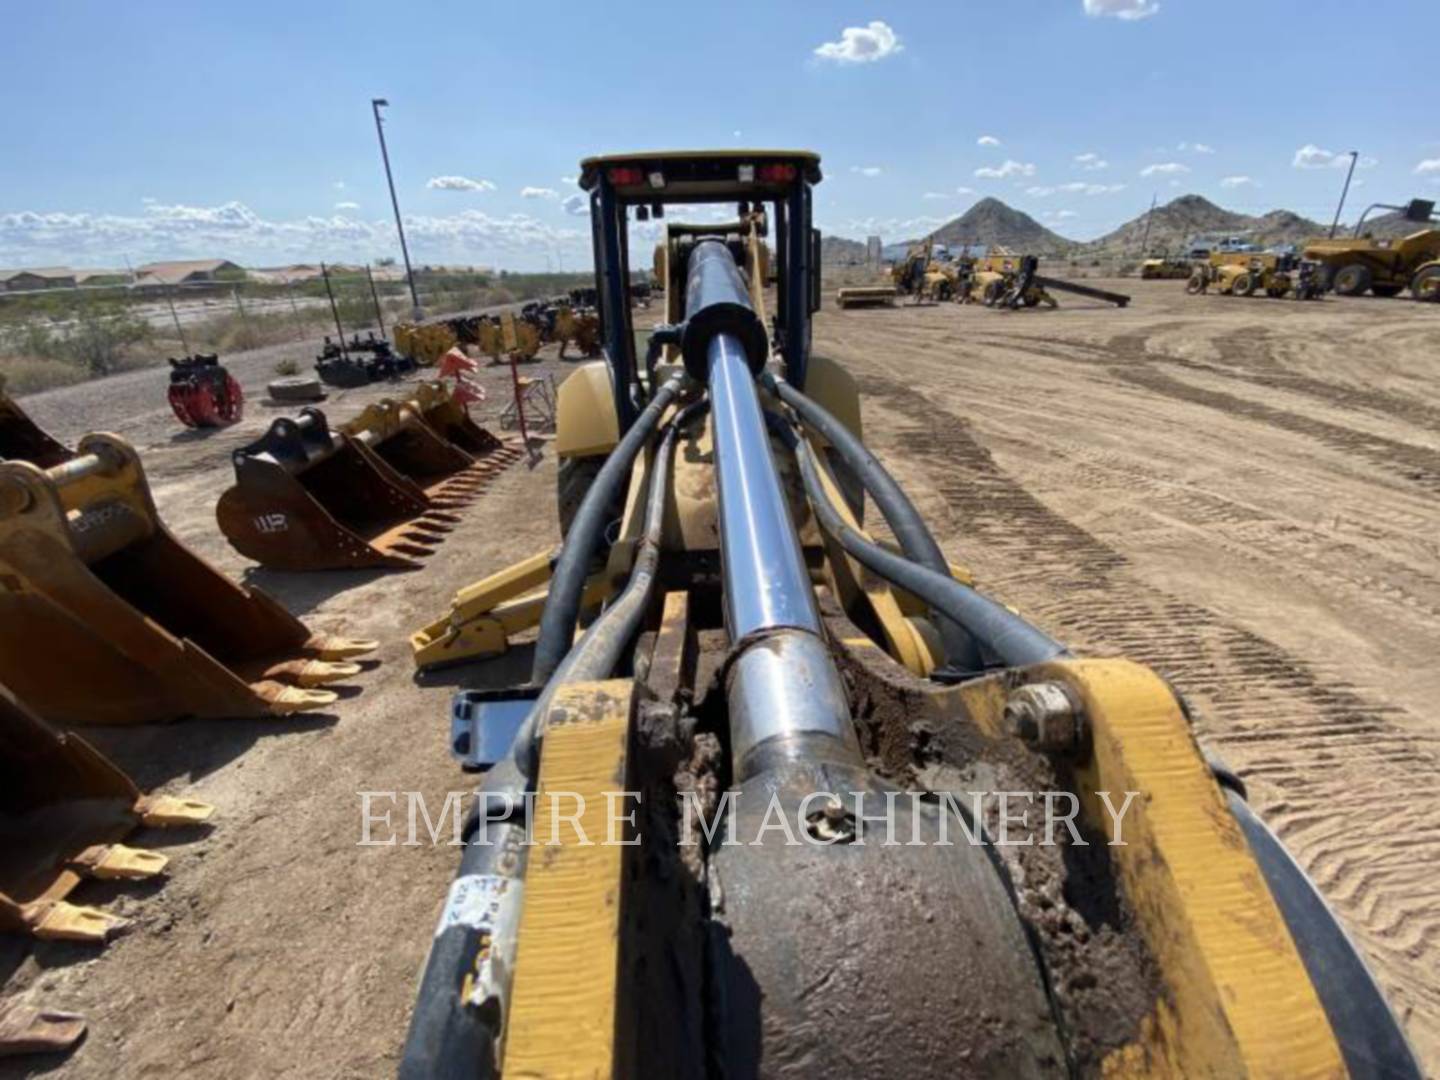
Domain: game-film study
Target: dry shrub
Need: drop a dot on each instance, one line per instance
(30, 375)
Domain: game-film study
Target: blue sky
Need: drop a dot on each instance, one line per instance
(155, 129)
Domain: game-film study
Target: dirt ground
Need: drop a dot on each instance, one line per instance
(1241, 493)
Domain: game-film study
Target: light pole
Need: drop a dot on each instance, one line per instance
(1354, 157)
(375, 105)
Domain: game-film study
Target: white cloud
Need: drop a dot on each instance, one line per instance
(538, 193)
(1196, 148)
(896, 228)
(339, 185)
(569, 180)
(1039, 192)
(232, 230)
(347, 206)
(577, 204)
(1122, 9)
(861, 44)
(866, 170)
(1009, 169)
(1168, 168)
(736, 133)
(1238, 181)
(1429, 165)
(962, 190)
(1091, 161)
(458, 183)
(1311, 156)
(1059, 215)
(987, 140)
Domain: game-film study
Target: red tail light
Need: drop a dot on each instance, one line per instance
(624, 176)
(777, 174)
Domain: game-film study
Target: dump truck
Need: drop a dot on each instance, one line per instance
(383, 490)
(66, 808)
(1359, 264)
(93, 582)
(1240, 274)
(719, 827)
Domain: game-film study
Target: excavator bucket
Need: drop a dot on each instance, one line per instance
(431, 440)
(22, 439)
(107, 618)
(380, 492)
(64, 808)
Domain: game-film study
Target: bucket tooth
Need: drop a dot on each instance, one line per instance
(412, 549)
(287, 700)
(168, 811)
(333, 647)
(116, 862)
(311, 673)
(25, 1029)
(62, 921)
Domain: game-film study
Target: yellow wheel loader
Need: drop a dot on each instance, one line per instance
(381, 491)
(1356, 265)
(748, 814)
(64, 808)
(107, 618)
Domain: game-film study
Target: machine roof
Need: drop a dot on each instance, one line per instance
(806, 161)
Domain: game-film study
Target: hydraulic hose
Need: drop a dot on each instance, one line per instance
(567, 583)
(450, 1035)
(962, 657)
(1012, 640)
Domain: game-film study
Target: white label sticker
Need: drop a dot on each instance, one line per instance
(272, 523)
(474, 902)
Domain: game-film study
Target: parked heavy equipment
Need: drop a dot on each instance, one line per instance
(203, 394)
(1356, 265)
(1165, 267)
(1014, 281)
(426, 343)
(360, 362)
(1241, 274)
(380, 491)
(64, 810)
(866, 296)
(107, 618)
(23, 439)
(775, 689)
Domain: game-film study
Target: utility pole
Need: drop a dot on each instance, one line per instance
(1145, 243)
(1354, 157)
(376, 104)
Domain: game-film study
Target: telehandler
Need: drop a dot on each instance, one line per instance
(770, 695)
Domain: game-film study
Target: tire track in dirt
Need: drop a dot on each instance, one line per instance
(1278, 717)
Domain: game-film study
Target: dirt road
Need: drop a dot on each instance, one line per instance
(1239, 492)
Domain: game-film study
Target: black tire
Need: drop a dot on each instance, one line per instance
(296, 388)
(993, 292)
(573, 479)
(1426, 284)
(1243, 285)
(1387, 291)
(1196, 284)
(1352, 280)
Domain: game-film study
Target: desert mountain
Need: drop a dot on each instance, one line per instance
(991, 222)
(1190, 215)
(838, 251)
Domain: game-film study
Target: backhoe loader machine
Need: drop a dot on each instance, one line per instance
(778, 714)
(381, 491)
(1015, 281)
(23, 439)
(107, 618)
(66, 807)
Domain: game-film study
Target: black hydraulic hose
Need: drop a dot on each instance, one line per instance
(962, 657)
(567, 583)
(1012, 640)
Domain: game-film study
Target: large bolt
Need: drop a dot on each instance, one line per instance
(1045, 717)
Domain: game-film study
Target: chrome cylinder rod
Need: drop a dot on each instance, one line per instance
(786, 699)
